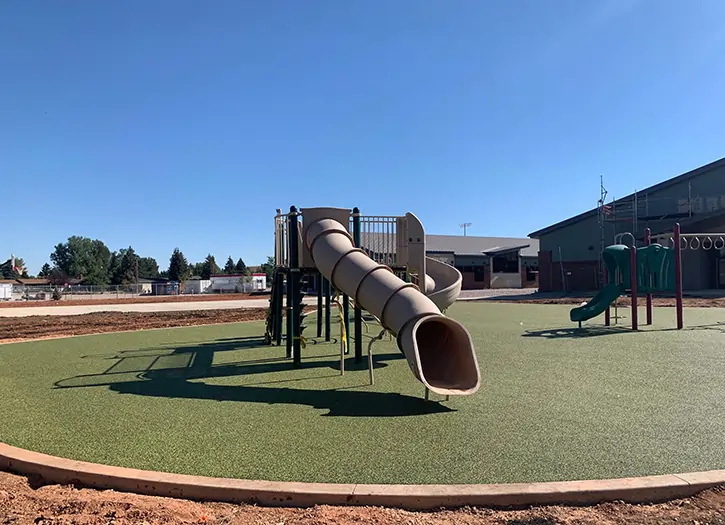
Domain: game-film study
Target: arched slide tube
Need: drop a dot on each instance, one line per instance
(439, 350)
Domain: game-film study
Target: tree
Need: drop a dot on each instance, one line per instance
(209, 268)
(129, 267)
(13, 268)
(196, 269)
(229, 266)
(268, 269)
(45, 271)
(58, 277)
(148, 268)
(178, 267)
(83, 258)
(240, 267)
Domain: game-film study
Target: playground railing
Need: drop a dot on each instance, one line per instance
(378, 237)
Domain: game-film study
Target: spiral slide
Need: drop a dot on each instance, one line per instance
(439, 350)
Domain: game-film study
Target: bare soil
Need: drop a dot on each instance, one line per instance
(24, 501)
(14, 329)
(132, 300)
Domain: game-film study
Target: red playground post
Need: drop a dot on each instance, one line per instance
(633, 281)
(647, 242)
(678, 276)
(607, 313)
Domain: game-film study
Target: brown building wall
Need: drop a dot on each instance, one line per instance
(470, 283)
(580, 275)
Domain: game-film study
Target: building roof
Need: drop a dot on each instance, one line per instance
(660, 186)
(8, 281)
(469, 245)
(33, 281)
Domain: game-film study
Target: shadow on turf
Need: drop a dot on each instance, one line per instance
(587, 331)
(149, 375)
(347, 403)
(596, 331)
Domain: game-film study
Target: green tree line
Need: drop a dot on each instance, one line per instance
(93, 263)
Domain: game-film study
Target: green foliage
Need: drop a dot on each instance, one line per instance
(45, 271)
(129, 267)
(268, 268)
(209, 267)
(148, 268)
(229, 266)
(179, 269)
(240, 267)
(84, 258)
(10, 271)
(196, 269)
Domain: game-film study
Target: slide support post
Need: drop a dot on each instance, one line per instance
(358, 311)
(633, 282)
(607, 312)
(678, 277)
(293, 287)
(320, 278)
(647, 242)
(328, 307)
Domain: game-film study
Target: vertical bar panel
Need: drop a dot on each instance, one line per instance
(647, 242)
(678, 278)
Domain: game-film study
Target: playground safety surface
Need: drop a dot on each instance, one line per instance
(27, 501)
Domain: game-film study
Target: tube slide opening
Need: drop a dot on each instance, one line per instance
(446, 358)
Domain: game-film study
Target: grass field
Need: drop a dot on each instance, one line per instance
(555, 403)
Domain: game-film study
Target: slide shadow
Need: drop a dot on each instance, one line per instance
(575, 332)
(347, 403)
(180, 374)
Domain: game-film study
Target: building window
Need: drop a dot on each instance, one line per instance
(479, 274)
(506, 263)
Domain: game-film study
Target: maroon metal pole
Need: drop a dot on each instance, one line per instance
(633, 283)
(607, 312)
(678, 277)
(647, 242)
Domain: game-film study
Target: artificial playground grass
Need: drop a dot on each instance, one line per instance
(554, 404)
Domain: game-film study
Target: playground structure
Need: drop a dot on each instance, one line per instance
(651, 269)
(328, 242)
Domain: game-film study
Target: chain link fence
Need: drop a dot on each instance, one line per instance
(80, 291)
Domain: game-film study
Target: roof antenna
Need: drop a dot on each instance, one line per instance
(465, 226)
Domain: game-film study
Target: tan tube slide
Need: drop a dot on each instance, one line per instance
(439, 350)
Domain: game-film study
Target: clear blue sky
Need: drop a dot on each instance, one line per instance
(183, 123)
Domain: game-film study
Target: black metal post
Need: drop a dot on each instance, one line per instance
(346, 320)
(290, 329)
(278, 305)
(328, 307)
(319, 304)
(293, 284)
(358, 311)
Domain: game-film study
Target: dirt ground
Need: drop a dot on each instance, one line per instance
(697, 302)
(14, 329)
(24, 502)
(131, 300)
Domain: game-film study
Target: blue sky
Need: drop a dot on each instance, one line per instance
(182, 123)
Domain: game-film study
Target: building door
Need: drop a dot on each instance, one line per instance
(721, 272)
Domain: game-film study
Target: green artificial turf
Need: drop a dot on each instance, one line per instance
(555, 403)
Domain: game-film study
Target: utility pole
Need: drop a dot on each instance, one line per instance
(465, 226)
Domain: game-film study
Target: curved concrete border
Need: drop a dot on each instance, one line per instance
(634, 490)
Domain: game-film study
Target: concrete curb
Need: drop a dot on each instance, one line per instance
(633, 490)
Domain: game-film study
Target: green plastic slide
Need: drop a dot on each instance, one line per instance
(597, 305)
